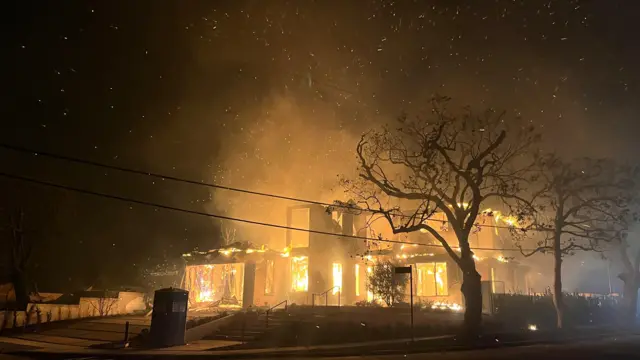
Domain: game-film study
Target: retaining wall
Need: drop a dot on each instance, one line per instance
(125, 303)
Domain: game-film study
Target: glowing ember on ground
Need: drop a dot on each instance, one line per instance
(446, 306)
(229, 306)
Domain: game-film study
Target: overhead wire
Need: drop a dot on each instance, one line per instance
(206, 184)
(230, 218)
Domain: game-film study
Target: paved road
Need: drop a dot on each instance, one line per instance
(611, 348)
(11, 357)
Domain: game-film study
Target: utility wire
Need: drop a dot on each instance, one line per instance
(217, 216)
(202, 183)
(160, 176)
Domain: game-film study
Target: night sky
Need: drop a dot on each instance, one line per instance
(245, 92)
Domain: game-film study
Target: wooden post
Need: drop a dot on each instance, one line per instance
(405, 270)
(126, 332)
(411, 292)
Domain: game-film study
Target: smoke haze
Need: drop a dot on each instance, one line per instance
(303, 82)
(272, 96)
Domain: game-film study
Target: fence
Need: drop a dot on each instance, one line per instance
(38, 313)
(517, 310)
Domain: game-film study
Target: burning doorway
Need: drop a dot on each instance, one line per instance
(215, 285)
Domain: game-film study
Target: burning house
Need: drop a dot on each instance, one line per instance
(319, 268)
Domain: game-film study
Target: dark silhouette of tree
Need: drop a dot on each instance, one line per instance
(20, 254)
(629, 252)
(630, 276)
(448, 164)
(385, 284)
(578, 205)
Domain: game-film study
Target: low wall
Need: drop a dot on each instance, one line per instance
(200, 331)
(38, 313)
(378, 316)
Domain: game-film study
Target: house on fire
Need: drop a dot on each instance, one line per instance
(318, 268)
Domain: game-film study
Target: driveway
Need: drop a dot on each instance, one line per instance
(77, 334)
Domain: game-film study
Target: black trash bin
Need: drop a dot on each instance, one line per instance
(169, 318)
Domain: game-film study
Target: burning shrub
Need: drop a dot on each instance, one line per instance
(385, 285)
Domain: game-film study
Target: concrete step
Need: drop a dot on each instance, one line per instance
(274, 316)
(264, 326)
(239, 332)
(276, 321)
(253, 328)
(232, 337)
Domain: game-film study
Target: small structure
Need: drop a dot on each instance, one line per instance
(169, 319)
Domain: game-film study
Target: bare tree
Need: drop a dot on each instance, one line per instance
(20, 256)
(630, 276)
(629, 252)
(228, 234)
(104, 305)
(448, 164)
(385, 285)
(577, 206)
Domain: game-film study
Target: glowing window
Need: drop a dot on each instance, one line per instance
(432, 279)
(337, 277)
(300, 273)
(493, 280)
(357, 279)
(208, 283)
(337, 217)
(300, 220)
(369, 292)
(270, 278)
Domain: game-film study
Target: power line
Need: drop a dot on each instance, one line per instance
(202, 183)
(160, 176)
(217, 216)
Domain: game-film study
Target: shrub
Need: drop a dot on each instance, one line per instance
(516, 310)
(365, 303)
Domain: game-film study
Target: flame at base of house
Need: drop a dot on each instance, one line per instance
(438, 305)
(222, 284)
(300, 273)
(243, 274)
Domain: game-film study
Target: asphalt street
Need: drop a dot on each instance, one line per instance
(611, 348)
(621, 347)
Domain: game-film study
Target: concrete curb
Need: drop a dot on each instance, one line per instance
(301, 352)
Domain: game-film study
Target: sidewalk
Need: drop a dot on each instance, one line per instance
(206, 348)
(203, 348)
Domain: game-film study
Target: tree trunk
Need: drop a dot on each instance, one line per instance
(472, 292)
(630, 297)
(557, 287)
(20, 287)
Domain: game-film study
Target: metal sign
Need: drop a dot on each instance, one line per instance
(403, 270)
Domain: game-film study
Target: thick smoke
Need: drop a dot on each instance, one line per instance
(292, 150)
(304, 82)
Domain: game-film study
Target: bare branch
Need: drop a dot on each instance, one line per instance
(447, 165)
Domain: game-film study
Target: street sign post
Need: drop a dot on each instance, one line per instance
(408, 270)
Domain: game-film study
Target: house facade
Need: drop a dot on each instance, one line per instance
(317, 267)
